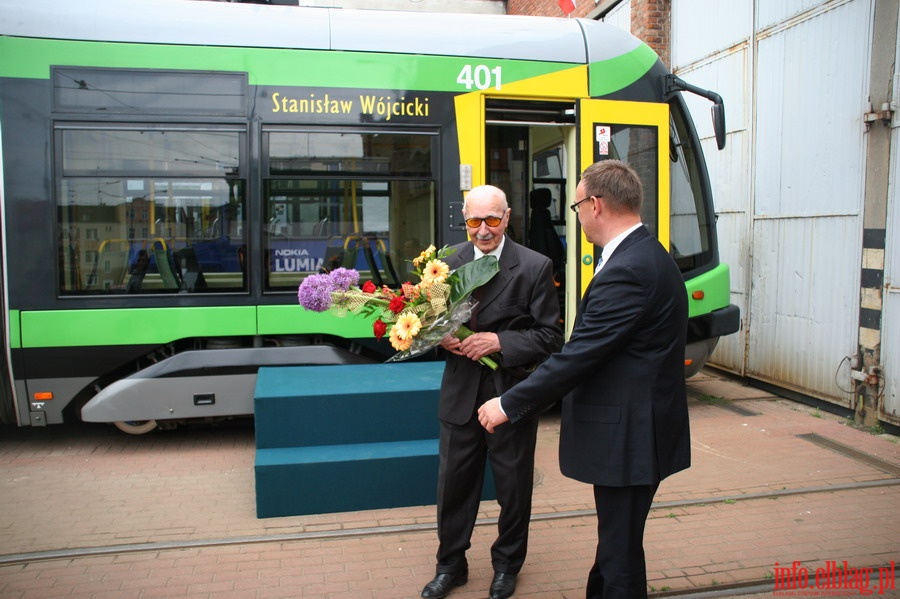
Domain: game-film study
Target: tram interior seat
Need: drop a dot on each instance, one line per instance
(542, 235)
(381, 267)
(189, 267)
(388, 265)
(373, 266)
(179, 270)
(321, 228)
(242, 263)
(338, 254)
(137, 272)
(110, 270)
(166, 269)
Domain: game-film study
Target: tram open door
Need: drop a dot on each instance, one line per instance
(525, 145)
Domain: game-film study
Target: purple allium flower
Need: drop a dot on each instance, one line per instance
(315, 292)
(343, 278)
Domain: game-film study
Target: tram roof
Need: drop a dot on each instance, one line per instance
(204, 23)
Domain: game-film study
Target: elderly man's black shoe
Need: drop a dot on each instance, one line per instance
(503, 585)
(444, 583)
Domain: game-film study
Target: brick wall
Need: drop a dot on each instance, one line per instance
(651, 22)
(547, 8)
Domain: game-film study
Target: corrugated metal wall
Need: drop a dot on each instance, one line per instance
(890, 324)
(789, 187)
(719, 57)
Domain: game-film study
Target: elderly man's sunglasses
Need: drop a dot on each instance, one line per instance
(492, 221)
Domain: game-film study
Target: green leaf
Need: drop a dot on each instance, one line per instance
(473, 275)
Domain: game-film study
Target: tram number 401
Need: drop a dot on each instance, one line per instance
(480, 77)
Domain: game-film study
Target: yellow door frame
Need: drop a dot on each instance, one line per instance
(593, 116)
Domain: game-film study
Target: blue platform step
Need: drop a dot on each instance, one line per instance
(347, 438)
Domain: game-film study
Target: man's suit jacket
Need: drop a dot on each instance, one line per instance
(520, 304)
(624, 415)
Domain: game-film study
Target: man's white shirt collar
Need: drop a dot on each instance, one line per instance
(495, 252)
(610, 247)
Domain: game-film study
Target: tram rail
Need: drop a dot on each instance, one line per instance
(366, 531)
(172, 514)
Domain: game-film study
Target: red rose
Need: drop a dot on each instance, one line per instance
(379, 328)
(368, 287)
(397, 304)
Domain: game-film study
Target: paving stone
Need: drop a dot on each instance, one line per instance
(172, 514)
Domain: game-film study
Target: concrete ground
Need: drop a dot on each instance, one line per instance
(777, 491)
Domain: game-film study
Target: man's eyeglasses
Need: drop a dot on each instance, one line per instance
(492, 221)
(574, 206)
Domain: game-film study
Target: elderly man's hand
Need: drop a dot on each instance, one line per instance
(451, 344)
(479, 345)
(490, 415)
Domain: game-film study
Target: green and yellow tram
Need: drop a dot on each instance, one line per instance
(171, 171)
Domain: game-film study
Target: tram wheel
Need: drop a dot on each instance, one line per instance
(136, 427)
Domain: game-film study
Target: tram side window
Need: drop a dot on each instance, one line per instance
(145, 211)
(350, 199)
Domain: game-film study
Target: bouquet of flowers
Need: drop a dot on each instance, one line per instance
(414, 317)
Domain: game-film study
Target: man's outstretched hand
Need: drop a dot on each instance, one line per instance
(490, 415)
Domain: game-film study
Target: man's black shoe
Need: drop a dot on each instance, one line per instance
(503, 585)
(444, 583)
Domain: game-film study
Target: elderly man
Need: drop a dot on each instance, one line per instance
(517, 317)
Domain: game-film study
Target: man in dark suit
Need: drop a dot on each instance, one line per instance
(624, 422)
(517, 317)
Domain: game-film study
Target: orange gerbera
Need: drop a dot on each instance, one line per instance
(407, 326)
(435, 271)
(399, 344)
(424, 255)
(404, 331)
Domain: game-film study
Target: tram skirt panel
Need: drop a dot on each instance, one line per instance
(347, 438)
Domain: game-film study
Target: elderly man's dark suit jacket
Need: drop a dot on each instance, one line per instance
(624, 415)
(519, 304)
